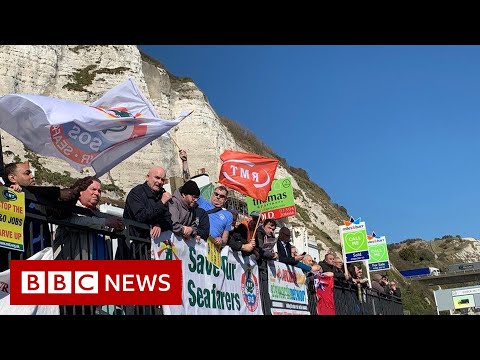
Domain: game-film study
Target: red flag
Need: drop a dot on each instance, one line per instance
(249, 174)
(324, 289)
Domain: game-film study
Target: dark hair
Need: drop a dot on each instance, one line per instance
(242, 231)
(223, 188)
(83, 183)
(270, 221)
(10, 170)
(351, 270)
(285, 231)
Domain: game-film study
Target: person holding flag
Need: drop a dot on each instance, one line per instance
(252, 175)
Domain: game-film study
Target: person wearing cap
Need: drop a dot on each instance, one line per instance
(188, 220)
(220, 218)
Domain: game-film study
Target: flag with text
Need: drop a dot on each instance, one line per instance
(102, 135)
(249, 174)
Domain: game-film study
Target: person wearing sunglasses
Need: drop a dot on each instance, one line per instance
(220, 218)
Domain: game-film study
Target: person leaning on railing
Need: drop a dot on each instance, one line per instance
(81, 244)
(19, 178)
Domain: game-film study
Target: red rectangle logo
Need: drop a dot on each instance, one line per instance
(95, 282)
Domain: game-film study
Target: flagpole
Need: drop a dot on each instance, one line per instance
(175, 143)
(2, 167)
(258, 220)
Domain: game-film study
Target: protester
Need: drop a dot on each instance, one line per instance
(341, 276)
(284, 247)
(251, 224)
(146, 203)
(81, 244)
(394, 290)
(19, 177)
(220, 218)
(238, 237)
(265, 242)
(188, 220)
(378, 283)
(328, 266)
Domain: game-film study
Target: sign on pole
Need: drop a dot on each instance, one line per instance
(12, 217)
(353, 236)
(378, 251)
(280, 202)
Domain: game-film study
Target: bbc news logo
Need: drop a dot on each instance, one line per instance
(95, 282)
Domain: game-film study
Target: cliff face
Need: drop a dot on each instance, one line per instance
(83, 73)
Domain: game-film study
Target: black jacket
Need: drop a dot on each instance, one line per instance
(203, 226)
(285, 257)
(144, 206)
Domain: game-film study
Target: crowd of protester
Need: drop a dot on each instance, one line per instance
(185, 212)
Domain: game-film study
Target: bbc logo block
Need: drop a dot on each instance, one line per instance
(59, 282)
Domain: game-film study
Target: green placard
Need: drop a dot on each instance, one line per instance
(377, 248)
(355, 241)
(280, 196)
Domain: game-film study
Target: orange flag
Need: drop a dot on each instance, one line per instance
(249, 174)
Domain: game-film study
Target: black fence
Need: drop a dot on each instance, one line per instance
(51, 225)
(351, 300)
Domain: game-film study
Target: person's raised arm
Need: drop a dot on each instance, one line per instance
(185, 170)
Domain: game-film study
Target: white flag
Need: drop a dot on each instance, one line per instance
(101, 135)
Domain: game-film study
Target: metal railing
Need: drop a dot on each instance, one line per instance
(350, 300)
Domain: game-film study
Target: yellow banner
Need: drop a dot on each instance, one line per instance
(213, 253)
(12, 217)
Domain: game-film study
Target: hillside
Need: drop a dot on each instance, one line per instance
(439, 253)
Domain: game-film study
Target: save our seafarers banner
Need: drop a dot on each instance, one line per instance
(207, 289)
(287, 289)
(12, 216)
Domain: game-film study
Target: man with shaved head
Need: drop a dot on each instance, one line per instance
(148, 203)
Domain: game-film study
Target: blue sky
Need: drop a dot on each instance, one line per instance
(390, 132)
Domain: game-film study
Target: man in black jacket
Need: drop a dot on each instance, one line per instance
(146, 203)
(284, 248)
(36, 232)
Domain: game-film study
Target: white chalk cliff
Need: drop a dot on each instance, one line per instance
(83, 73)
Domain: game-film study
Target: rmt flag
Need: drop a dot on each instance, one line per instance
(249, 174)
(102, 135)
